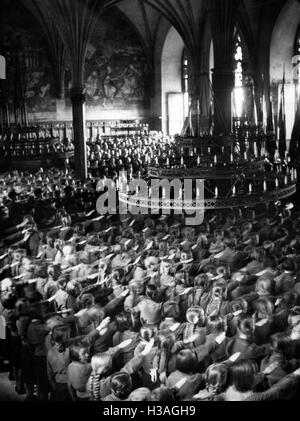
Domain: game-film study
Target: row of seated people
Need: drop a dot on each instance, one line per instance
(132, 153)
(107, 157)
(145, 308)
(43, 194)
(34, 147)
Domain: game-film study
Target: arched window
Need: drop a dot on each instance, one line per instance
(171, 83)
(185, 82)
(238, 77)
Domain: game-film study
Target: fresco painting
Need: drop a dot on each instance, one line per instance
(115, 71)
(28, 70)
(116, 66)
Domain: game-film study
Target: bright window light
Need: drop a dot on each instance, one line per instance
(238, 81)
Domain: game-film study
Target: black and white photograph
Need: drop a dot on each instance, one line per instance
(149, 204)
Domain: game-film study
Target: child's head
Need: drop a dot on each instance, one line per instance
(171, 309)
(222, 271)
(60, 335)
(245, 327)
(165, 268)
(140, 395)
(239, 304)
(201, 280)
(62, 282)
(242, 375)
(215, 325)
(101, 363)
(151, 263)
(264, 308)
(295, 334)
(288, 265)
(79, 353)
(95, 315)
(264, 286)
(196, 315)
(53, 322)
(22, 307)
(162, 394)
(53, 271)
(68, 250)
(185, 255)
(294, 316)
(136, 287)
(87, 301)
(216, 378)
(258, 254)
(217, 291)
(229, 242)
(73, 288)
(186, 361)
(165, 340)
(151, 292)
(124, 322)
(121, 385)
(218, 235)
(147, 333)
(280, 343)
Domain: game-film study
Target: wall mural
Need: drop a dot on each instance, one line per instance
(116, 66)
(40, 95)
(28, 70)
(115, 73)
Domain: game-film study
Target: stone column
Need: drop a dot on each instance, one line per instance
(223, 22)
(78, 109)
(223, 84)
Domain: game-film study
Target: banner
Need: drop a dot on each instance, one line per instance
(282, 121)
(2, 68)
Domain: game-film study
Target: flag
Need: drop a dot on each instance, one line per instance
(19, 89)
(270, 122)
(2, 68)
(234, 111)
(295, 139)
(255, 115)
(282, 122)
(191, 127)
(211, 119)
(264, 106)
(265, 114)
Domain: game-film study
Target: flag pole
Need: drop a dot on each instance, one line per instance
(282, 119)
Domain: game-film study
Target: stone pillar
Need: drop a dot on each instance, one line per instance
(61, 92)
(223, 22)
(78, 109)
(223, 83)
